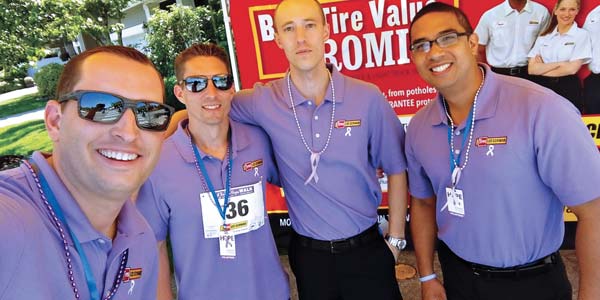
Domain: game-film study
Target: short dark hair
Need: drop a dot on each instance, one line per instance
(442, 7)
(204, 49)
(72, 70)
(318, 5)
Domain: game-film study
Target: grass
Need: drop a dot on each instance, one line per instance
(24, 138)
(21, 104)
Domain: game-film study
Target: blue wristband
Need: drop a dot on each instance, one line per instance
(428, 277)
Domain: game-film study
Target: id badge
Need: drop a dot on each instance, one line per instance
(455, 202)
(227, 244)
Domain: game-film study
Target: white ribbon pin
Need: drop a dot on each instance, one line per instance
(348, 131)
(130, 291)
(256, 172)
(490, 151)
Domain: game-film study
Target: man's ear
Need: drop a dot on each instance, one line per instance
(178, 91)
(52, 119)
(474, 43)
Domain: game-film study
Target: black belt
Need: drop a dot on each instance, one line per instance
(536, 267)
(341, 245)
(511, 71)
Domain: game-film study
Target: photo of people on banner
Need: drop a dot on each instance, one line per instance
(554, 43)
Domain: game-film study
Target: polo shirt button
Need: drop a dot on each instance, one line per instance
(317, 135)
(457, 132)
(316, 117)
(309, 102)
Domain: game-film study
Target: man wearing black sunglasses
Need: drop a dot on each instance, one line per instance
(490, 171)
(330, 133)
(68, 226)
(207, 193)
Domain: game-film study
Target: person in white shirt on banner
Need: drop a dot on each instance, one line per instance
(507, 33)
(560, 51)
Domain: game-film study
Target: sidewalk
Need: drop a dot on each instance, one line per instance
(26, 116)
(18, 93)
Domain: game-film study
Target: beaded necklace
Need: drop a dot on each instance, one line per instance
(58, 224)
(456, 169)
(314, 155)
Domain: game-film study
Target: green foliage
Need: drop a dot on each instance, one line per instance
(26, 26)
(24, 138)
(170, 82)
(170, 32)
(46, 79)
(12, 78)
(21, 104)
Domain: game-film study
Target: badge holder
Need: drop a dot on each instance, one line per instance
(226, 243)
(454, 197)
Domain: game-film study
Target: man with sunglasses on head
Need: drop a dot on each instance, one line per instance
(330, 132)
(490, 172)
(207, 193)
(68, 226)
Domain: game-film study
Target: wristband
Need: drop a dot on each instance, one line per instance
(428, 277)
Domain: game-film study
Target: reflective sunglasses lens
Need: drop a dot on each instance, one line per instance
(222, 82)
(152, 116)
(100, 107)
(196, 85)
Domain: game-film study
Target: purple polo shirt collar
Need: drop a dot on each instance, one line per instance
(486, 103)
(239, 141)
(338, 81)
(130, 222)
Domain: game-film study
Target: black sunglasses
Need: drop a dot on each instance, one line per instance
(106, 108)
(197, 84)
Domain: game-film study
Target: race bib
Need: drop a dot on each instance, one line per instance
(244, 212)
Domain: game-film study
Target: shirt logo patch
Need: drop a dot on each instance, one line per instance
(132, 274)
(250, 165)
(486, 141)
(570, 44)
(347, 123)
(534, 22)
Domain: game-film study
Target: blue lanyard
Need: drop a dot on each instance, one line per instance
(211, 188)
(89, 277)
(469, 121)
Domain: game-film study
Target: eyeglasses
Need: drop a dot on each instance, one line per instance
(197, 84)
(443, 41)
(106, 108)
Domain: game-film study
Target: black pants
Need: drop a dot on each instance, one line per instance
(361, 273)
(591, 94)
(566, 86)
(461, 283)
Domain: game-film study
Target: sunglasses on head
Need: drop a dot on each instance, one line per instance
(197, 84)
(106, 108)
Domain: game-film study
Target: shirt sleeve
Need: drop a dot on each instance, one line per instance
(386, 138)
(13, 243)
(242, 107)
(536, 47)
(567, 157)
(583, 47)
(154, 208)
(482, 29)
(419, 184)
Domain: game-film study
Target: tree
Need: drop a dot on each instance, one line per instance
(103, 17)
(170, 32)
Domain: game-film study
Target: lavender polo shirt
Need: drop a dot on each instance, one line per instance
(344, 202)
(531, 155)
(170, 201)
(32, 258)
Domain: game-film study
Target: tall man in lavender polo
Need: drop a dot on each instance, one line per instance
(490, 171)
(67, 225)
(329, 134)
(224, 252)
